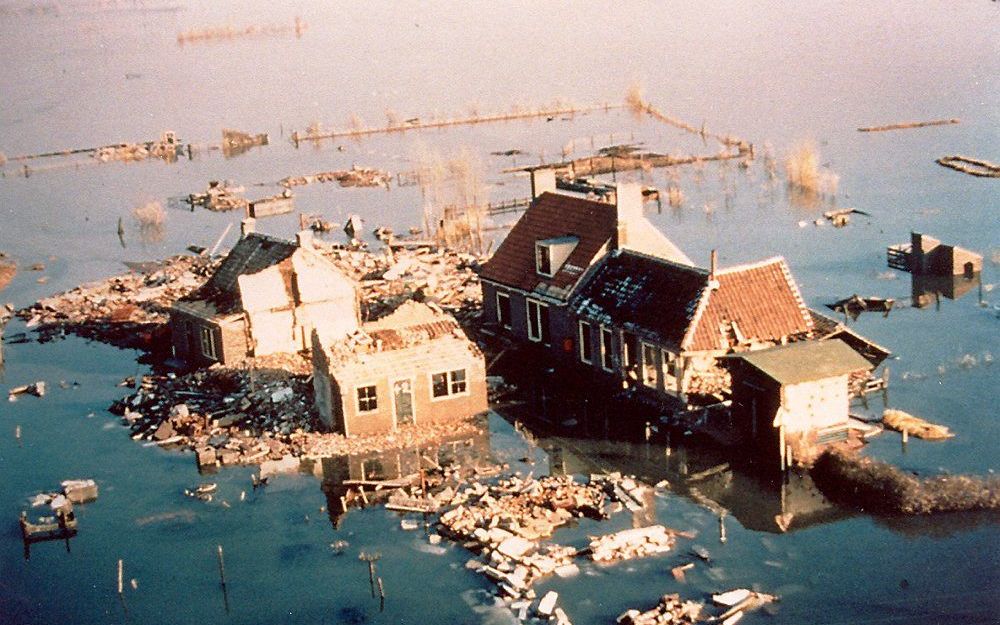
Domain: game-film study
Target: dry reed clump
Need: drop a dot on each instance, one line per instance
(3, 159)
(807, 183)
(634, 100)
(675, 197)
(770, 163)
(151, 219)
(878, 486)
(455, 198)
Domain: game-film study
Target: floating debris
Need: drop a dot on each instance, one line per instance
(224, 33)
(236, 142)
(669, 611)
(37, 389)
(632, 543)
(854, 305)
(972, 166)
(221, 196)
(914, 426)
(904, 125)
(354, 177)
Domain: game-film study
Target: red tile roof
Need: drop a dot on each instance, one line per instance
(552, 215)
(674, 304)
(761, 301)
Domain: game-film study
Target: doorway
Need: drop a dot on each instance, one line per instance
(402, 400)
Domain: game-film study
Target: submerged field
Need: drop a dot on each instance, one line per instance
(94, 74)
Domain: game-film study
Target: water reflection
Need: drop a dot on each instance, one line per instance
(928, 290)
(364, 478)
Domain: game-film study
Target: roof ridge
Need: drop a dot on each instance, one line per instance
(751, 265)
(660, 259)
(699, 310)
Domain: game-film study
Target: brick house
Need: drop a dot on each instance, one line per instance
(661, 325)
(528, 282)
(414, 366)
(266, 297)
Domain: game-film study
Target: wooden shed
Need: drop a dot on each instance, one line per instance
(789, 400)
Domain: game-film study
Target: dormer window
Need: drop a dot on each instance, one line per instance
(551, 254)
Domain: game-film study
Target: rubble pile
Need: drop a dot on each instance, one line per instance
(220, 196)
(126, 310)
(531, 509)
(632, 543)
(248, 415)
(436, 276)
(353, 177)
(669, 611)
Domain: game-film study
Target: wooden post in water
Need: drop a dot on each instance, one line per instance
(222, 566)
(120, 589)
(381, 596)
(722, 527)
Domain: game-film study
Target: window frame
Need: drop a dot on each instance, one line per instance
(586, 339)
(541, 249)
(542, 330)
(449, 380)
(508, 322)
(647, 367)
(607, 348)
(358, 399)
(206, 335)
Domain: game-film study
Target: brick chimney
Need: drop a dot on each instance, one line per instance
(247, 226)
(628, 211)
(542, 180)
(713, 282)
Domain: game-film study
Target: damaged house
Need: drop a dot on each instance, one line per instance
(661, 325)
(598, 286)
(528, 282)
(414, 366)
(266, 297)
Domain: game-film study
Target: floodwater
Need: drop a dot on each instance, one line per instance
(97, 73)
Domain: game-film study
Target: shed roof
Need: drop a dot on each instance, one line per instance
(677, 304)
(805, 361)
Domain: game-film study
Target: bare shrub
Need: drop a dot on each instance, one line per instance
(151, 220)
(3, 159)
(634, 99)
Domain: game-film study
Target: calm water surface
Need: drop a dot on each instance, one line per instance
(100, 73)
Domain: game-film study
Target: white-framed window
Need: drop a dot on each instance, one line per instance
(207, 336)
(538, 321)
(367, 398)
(586, 343)
(543, 260)
(449, 384)
(628, 351)
(503, 310)
(607, 358)
(648, 364)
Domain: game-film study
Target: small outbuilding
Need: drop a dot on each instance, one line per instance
(414, 366)
(789, 400)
